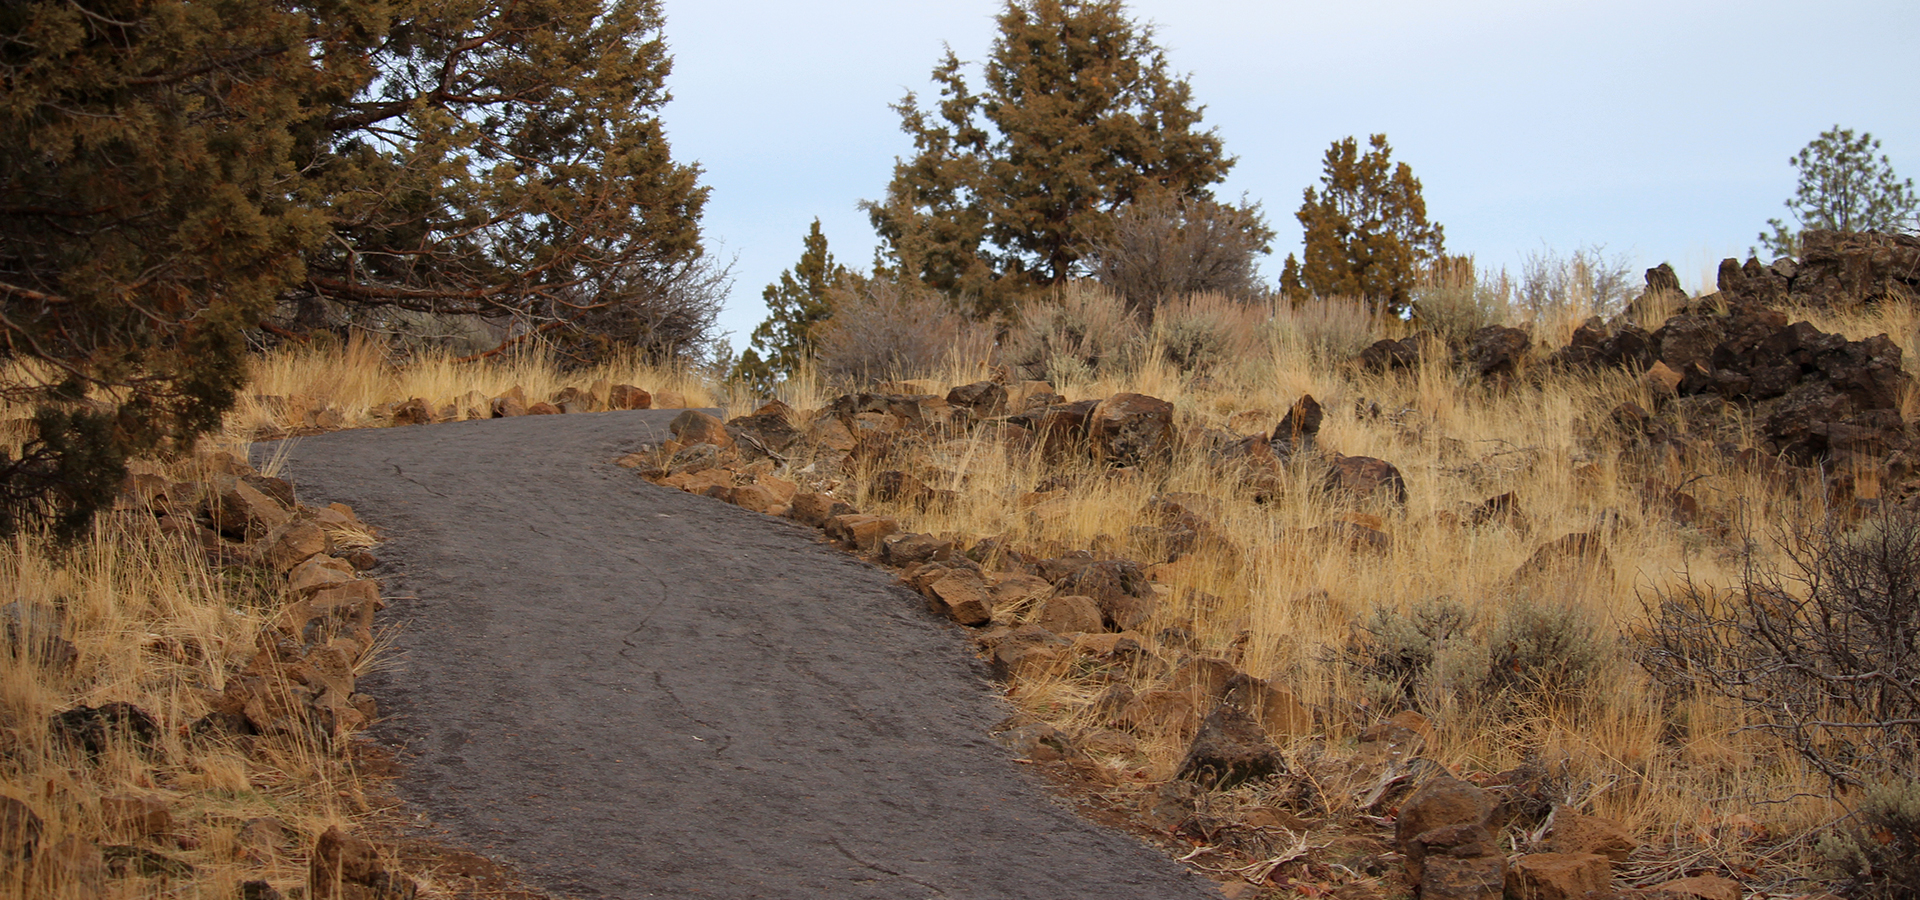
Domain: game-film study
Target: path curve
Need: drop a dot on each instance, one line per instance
(627, 691)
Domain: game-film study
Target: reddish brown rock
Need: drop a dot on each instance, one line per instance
(626, 396)
(316, 571)
(984, 398)
(755, 498)
(1018, 589)
(1027, 651)
(1388, 355)
(1442, 801)
(292, 544)
(1230, 749)
(1366, 478)
(1130, 429)
(414, 412)
(964, 597)
(1300, 428)
(1160, 713)
(1573, 832)
(241, 511)
(507, 405)
(1558, 876)
(707, 482)
(1205, 678)
(1476, 878)
(1498, 351)
(20, 829)
(1068, 614)
(1124, 593)
(861, 532)
(348, 868)
(817, 509)
(1058, 428)
(1277, 709)
(136, 816)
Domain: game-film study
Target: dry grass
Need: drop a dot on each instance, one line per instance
(357, 377)
(155, 626)
(1284, 604)
(1665, 766)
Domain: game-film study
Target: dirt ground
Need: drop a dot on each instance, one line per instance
(625, 691)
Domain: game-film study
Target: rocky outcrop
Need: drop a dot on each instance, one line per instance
(1835, 270)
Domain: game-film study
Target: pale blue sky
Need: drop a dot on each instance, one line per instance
(1659, 129)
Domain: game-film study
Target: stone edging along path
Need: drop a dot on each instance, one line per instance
(626, 691)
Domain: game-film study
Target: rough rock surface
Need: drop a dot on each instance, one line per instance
(1231, 748)
(625, 691)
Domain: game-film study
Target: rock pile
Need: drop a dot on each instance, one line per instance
(1836, 270)
(298, 684)
(1815, 398)
(307, 416)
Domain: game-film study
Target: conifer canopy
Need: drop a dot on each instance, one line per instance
(171, 170)
(1007, 188)
(1367, 234)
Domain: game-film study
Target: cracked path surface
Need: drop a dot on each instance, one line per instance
(627, 691)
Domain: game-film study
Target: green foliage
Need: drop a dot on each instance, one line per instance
(170, 169)
(1433, 653)
(1452, 301)
(1842, 188)
(1203, 332)
(1545, 649)
(1008, 187)
(1367, 233)
(1875, 853)
(506, 158)
(145, 149)
(797, 305)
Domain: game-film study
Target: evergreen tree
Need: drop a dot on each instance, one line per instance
(1367, 233)
(1008, 188)
(506, 158)
(171, 168)
(1843, 188)
(796, 307)
(145, 149)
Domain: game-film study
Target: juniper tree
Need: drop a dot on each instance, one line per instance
(1006, 189)
(1842, 188)
(797, 305)
(145, 151)
(506, 158)
(1367, 233)
(171, 168)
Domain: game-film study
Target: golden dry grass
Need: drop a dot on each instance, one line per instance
(157, 626)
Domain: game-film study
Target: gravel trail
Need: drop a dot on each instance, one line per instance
(625, 691)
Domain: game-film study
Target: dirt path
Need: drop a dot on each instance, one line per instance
(627, 691)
